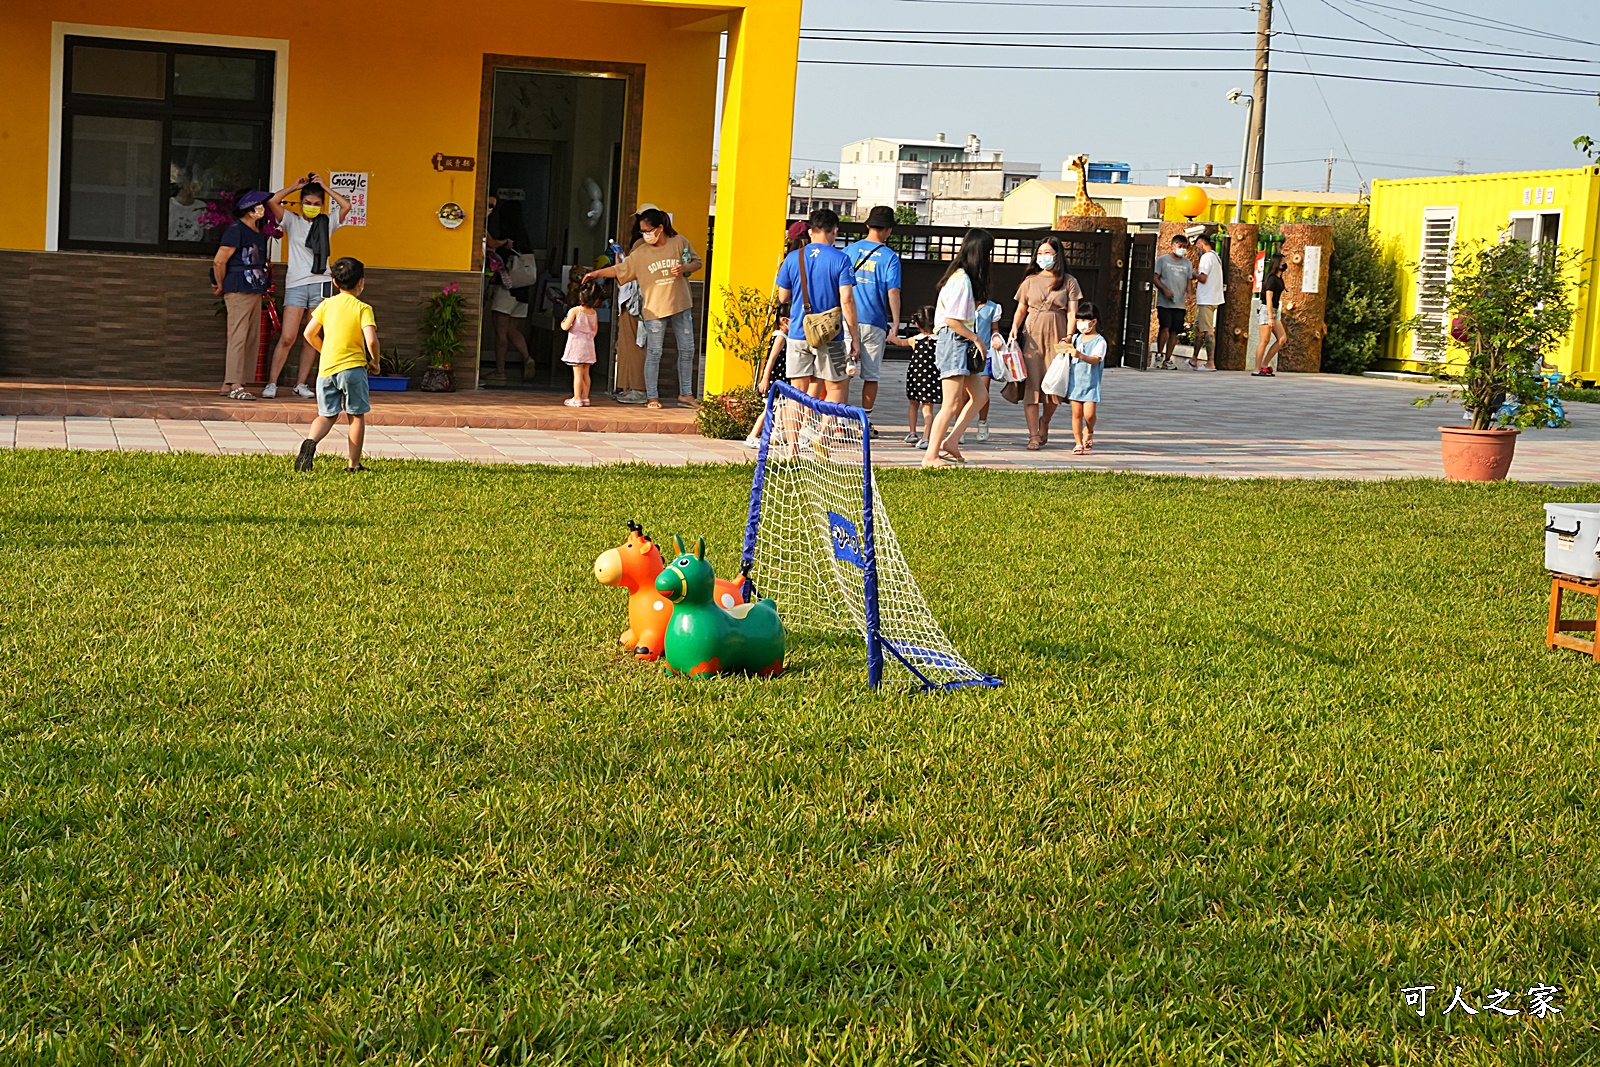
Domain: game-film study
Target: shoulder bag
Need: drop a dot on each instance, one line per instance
(820, 329)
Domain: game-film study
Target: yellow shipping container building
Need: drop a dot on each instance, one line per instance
(1419, 219)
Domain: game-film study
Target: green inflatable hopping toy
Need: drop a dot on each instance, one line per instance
(704, 638)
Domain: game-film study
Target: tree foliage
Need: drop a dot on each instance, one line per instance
(1506, 305)
(1362, 297)
(746, 324)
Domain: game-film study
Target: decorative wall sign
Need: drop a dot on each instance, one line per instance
(444, 162)
(451, 215)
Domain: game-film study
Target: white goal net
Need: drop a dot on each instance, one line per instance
(819, 543)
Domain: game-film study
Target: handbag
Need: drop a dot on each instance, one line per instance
(976, 359)
(820, 329)
(520, 272)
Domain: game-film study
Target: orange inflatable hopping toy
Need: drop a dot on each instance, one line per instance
(633, 565)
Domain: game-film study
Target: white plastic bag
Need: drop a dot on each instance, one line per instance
(1058, 377)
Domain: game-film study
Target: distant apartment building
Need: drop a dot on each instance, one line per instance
(972, 193)
(944, 182)
(804, 199)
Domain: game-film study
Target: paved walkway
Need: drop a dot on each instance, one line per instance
(1179, 422)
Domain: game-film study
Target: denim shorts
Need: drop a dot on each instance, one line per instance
(345, 391)
(950, 353)
(307, 296)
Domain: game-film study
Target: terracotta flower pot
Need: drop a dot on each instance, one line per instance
(1477, 455)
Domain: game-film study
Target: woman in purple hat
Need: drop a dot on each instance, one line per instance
(240, 275)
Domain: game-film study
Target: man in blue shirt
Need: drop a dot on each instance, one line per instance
(877, 294)
(830, 278)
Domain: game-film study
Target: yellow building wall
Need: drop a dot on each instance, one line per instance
(382, 88)
(1029, 204)
(1484, 206)
(408, 91)
(1259, 211)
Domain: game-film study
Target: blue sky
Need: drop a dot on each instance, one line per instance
(1173, 115)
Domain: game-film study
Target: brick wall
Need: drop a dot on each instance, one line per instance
(153, 318)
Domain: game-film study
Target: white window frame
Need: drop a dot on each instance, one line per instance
(60, 31)
(1452, 213)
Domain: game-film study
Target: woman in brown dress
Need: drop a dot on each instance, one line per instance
(1047, 308)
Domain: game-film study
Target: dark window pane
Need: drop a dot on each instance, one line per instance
(119, 72)
(209, 158)
(116, 171)
(216, 77)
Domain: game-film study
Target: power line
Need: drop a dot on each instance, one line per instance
(811, 36)
(1304, 58)
(896, 35)
(1484, 22)
(1506, 77)
(1101, 7)
(1209, 70)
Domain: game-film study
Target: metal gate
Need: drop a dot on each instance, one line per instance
(1135, 349)
(926, 251)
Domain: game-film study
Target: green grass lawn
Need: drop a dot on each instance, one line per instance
(334, 770)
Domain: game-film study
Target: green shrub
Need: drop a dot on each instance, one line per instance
(746, 324)
(1579, 394)
(1362, 301)
(729, 416)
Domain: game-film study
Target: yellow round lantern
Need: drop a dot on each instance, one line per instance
(1192, 201)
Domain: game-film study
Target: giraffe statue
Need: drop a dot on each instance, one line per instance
(1082, 206)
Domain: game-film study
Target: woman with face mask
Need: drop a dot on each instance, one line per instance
(1047, 308)
(661, 261)
(240, 275)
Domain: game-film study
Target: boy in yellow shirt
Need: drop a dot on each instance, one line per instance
(344, 331)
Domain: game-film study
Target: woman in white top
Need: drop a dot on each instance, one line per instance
(964, 286)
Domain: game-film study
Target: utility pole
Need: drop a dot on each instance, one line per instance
(1327, 183)
(1258, 115)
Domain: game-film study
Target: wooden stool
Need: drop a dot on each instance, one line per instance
(1556, 635)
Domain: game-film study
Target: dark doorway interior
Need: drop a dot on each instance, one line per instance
(554, 143)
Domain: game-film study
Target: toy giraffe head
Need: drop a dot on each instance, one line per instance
(633, 565)
(1081, 205)
(688, 579)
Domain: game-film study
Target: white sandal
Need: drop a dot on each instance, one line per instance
(241, 393)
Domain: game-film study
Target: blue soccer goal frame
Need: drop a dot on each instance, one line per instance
(877, 645)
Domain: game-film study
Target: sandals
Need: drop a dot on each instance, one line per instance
(357, 469)
(1077, 450)
(572, 402)
(685, 401)
(653, 405)
(1034, 444)
(241, 393)
(945, 453)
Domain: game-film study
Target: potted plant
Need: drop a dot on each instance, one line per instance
(444, 321)
(1505, 305)
(748, 317)
(395, 373)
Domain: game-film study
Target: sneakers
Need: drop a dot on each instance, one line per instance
(752, 442)
(983, 431)
(308, 452)
(304, 392)
(270, 392)
(632, 396)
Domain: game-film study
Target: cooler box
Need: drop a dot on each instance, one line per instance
(1570, 535)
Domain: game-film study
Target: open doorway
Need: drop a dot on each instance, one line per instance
(557, 152)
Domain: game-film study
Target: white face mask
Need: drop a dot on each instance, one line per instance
(1046, 261)
(653, 237)
(1180, 252)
